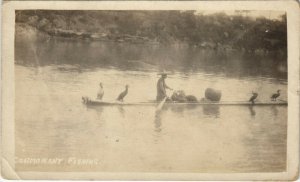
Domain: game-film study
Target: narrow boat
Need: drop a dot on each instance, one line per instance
(91, 102)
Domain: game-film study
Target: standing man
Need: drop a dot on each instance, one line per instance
(161, 87)
(100, 92)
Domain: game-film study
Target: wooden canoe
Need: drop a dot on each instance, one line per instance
(155, 103)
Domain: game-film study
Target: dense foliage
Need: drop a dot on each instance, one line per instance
(215, 31)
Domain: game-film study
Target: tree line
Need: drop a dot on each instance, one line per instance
(213, 31)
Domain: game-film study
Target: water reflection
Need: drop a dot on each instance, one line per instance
(122, 111)
(157, 125)
(274, 110)
(252, 110)
(181, 108)
(97, 108)
(211, 110)
(157, 121)
(128, 56)
(99, 111)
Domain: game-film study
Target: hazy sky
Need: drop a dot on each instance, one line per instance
(255, 14)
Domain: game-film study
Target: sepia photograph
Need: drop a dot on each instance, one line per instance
(151, 91)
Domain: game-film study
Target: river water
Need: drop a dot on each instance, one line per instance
(51, 122)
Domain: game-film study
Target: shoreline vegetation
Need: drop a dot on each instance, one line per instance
(214, 32)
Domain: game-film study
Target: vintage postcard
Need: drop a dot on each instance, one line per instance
(150, 90)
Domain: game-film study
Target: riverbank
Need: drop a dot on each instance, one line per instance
(24, 29)
(99, 36)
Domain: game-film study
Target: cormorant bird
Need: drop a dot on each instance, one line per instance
(254, 96)
(100, 92)
(275, 96)
(123, 94)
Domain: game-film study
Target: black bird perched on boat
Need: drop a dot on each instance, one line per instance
(123, 94)
(254, 96)
(275, 96)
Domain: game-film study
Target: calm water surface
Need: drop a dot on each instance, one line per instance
(52, 122)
